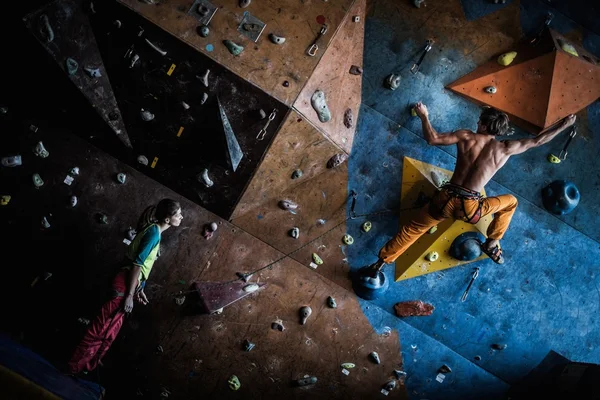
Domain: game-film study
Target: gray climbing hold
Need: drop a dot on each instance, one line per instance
(142, 160)
(234, 151)
(390, 385)
(304, 314)
(45, 223)
(204, 78)
(278, 325)
(156, 48)
(146, 115)
(245, 3)
(331, 302)
(93, 72)
(336, 160)
(355, 70)
(46, 29)
(12, 161)
(399, 374)
(311, 380)
(130, 233)
(73, 201)
(490, 89)
(251, 288)
(203, 10)
(255, 28)
(37, 180)
(204, 98)
(444, 369)
(297, 174)
(203, 177)
(121, 177)
(348, 118)
(321, 222)
(179, 300)
(438, 179)
(375, 357)
(319, 103)
(262, 114)
(393, 81)
(203, 30)
(40, 150)
(102, 218)
(72, 66)
(248, 345)
(418, 3)
(295, 232)
(497, 346)
(213, 226)
(287, 205)
(276, 39)
(233, 47)
(74, 171)
(117, 23)
(185, 105)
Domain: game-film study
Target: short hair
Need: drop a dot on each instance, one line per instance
(495, 122)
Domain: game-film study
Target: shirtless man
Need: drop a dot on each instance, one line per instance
(480, 156)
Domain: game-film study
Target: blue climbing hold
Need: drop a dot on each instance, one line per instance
(560, 197)
(466, 246)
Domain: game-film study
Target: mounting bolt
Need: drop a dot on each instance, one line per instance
(356, 18)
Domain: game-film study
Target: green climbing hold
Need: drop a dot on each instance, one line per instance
(347, 239)
(234, 382)
(433, 229)
(181, 282)
(553, 159)
(348, 365)
(331, 302)
(366, 226)
(233, 48)
(317, 259)
(72, 66)
(37, 180)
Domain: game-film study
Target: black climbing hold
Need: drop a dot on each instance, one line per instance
(560, 197)
(286, 84)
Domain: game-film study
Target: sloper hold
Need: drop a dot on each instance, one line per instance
(54, 28)
(213, 296)
(234, 151)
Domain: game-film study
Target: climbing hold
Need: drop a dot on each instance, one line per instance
(348, 118)
(310, 380)
(278, 325)
(418, 3)
(74, 171)
(245, 3)
(321, 222)
(203, 30)
(134, 60)
(347, 239)
(4, 200)
(130, 233)
(413, 308)
(185, 105)
(286, 84)
(71, 66)
(366, 226)
(203, 177)
(252, 27)
(553, 159)
(390, 385)
(234, 382)
(348, 365)
(444, 369)
(317, 259)
(438, 179)
(399, 374)
(204, 78)
(40, 150)
(233, 48)
(262, 114)
(355, 70)
(73, 201)
(248, 345)
(179, 300)
(433, 230)
(432, 256)
(117, 23)
(497, 346)
(146, 115)
(295, 232)
(102, 218)
(490, 89)
(477, 358)
(142, 160)
(413, 112)
(567, 47)
(3, 110)
(155, 47)
(93, 72)
(37, 180)
(393, 81)
(203, 10)
(319, 103)
(356, 18)
(331, 302)
(466, 246)
(304, 314)
(209, 230)
(45, 223)
(276, 39)
(251, 288)
(11, 161)
(45, 28)
(375, 357)
(204, 98)
(506, 58)
(297, 174)
(336, 160)
(287, 205)
(560, 197)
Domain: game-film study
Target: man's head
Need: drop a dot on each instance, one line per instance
(493, 122)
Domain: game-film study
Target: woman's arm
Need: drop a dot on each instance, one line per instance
(133, 283)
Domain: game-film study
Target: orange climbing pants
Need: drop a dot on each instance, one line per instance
(448, 204)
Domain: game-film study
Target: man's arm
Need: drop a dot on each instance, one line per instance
(520, 146)
(431, 135)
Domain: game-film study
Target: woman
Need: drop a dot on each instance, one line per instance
(127, 285)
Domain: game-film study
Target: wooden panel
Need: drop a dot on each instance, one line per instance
(323, 197)
(342, 89)
(264, 64)
(204, 351)
(298, 145)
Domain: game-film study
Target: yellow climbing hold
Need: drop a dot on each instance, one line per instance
(317, 259)
(366, 226)
(413, 112)
(569, 49)
(432, 256)
(553, 159)
(4, 200)
(347, 239)
(432, 230)
(506, 58)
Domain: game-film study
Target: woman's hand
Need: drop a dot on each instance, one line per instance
(128, 303)
(141, 297)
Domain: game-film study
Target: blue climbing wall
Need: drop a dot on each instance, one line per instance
(546, 296)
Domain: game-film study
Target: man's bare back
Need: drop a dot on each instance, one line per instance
(480, 155)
